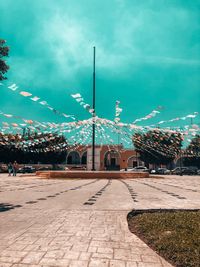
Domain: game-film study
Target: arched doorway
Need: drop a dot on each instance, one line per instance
(132, 162)
(112, 160)
(84, 158)
(73, 158)
(180, 162)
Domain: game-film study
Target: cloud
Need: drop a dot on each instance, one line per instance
(71, 41)
(169, 61)
(136, 36)
(147, 51)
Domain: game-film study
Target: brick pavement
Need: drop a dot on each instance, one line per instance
(83, 222)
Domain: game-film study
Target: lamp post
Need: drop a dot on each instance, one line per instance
(94, 115)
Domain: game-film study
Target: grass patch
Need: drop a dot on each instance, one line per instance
(174, 234)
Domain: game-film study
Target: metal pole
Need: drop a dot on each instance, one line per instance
(24, 131)
(93, 124)
(118, 139)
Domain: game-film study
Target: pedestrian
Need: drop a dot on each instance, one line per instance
(15, 168)
(10, 168)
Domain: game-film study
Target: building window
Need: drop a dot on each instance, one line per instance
(73, 158)
(111, 160)
(84, 158)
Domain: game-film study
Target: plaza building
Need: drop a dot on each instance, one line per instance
(107, 157)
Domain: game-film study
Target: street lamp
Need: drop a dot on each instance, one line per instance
(94, 115)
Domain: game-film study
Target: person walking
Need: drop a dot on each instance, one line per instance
(15, 168)
(10, 168)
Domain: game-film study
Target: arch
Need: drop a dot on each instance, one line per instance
(112, 160)
(132, 162)
(73, 158)
(84, 158)
(179, 161)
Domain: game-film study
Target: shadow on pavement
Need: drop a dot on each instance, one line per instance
(7, 206)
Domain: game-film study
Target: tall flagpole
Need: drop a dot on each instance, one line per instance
(94, 114)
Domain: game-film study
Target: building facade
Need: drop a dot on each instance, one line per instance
(107, 157)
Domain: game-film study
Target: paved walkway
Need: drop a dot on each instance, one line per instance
(83, 222)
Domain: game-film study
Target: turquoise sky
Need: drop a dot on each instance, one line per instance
(148, 54)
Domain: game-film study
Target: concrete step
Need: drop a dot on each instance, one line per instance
(92, 175)
(43, 174)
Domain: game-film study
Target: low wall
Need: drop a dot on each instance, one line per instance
(92, 175)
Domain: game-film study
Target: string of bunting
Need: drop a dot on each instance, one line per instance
(15, 88)
(79, 132)
(147, 117)
(79, 99)
(118, 112)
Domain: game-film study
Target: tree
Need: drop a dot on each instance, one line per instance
(157, 147)
(192, 153)
(34, 148)
(4, 50)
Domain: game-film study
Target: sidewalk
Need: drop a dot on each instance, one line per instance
(79, 239)
(82, 223)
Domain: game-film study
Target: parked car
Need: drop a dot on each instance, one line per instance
(190, 171)
(140, 169)
(153, 171)
(178, 170)
(27, 169)
(185, 170)
(162, 171)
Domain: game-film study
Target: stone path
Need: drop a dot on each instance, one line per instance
(83, 222)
